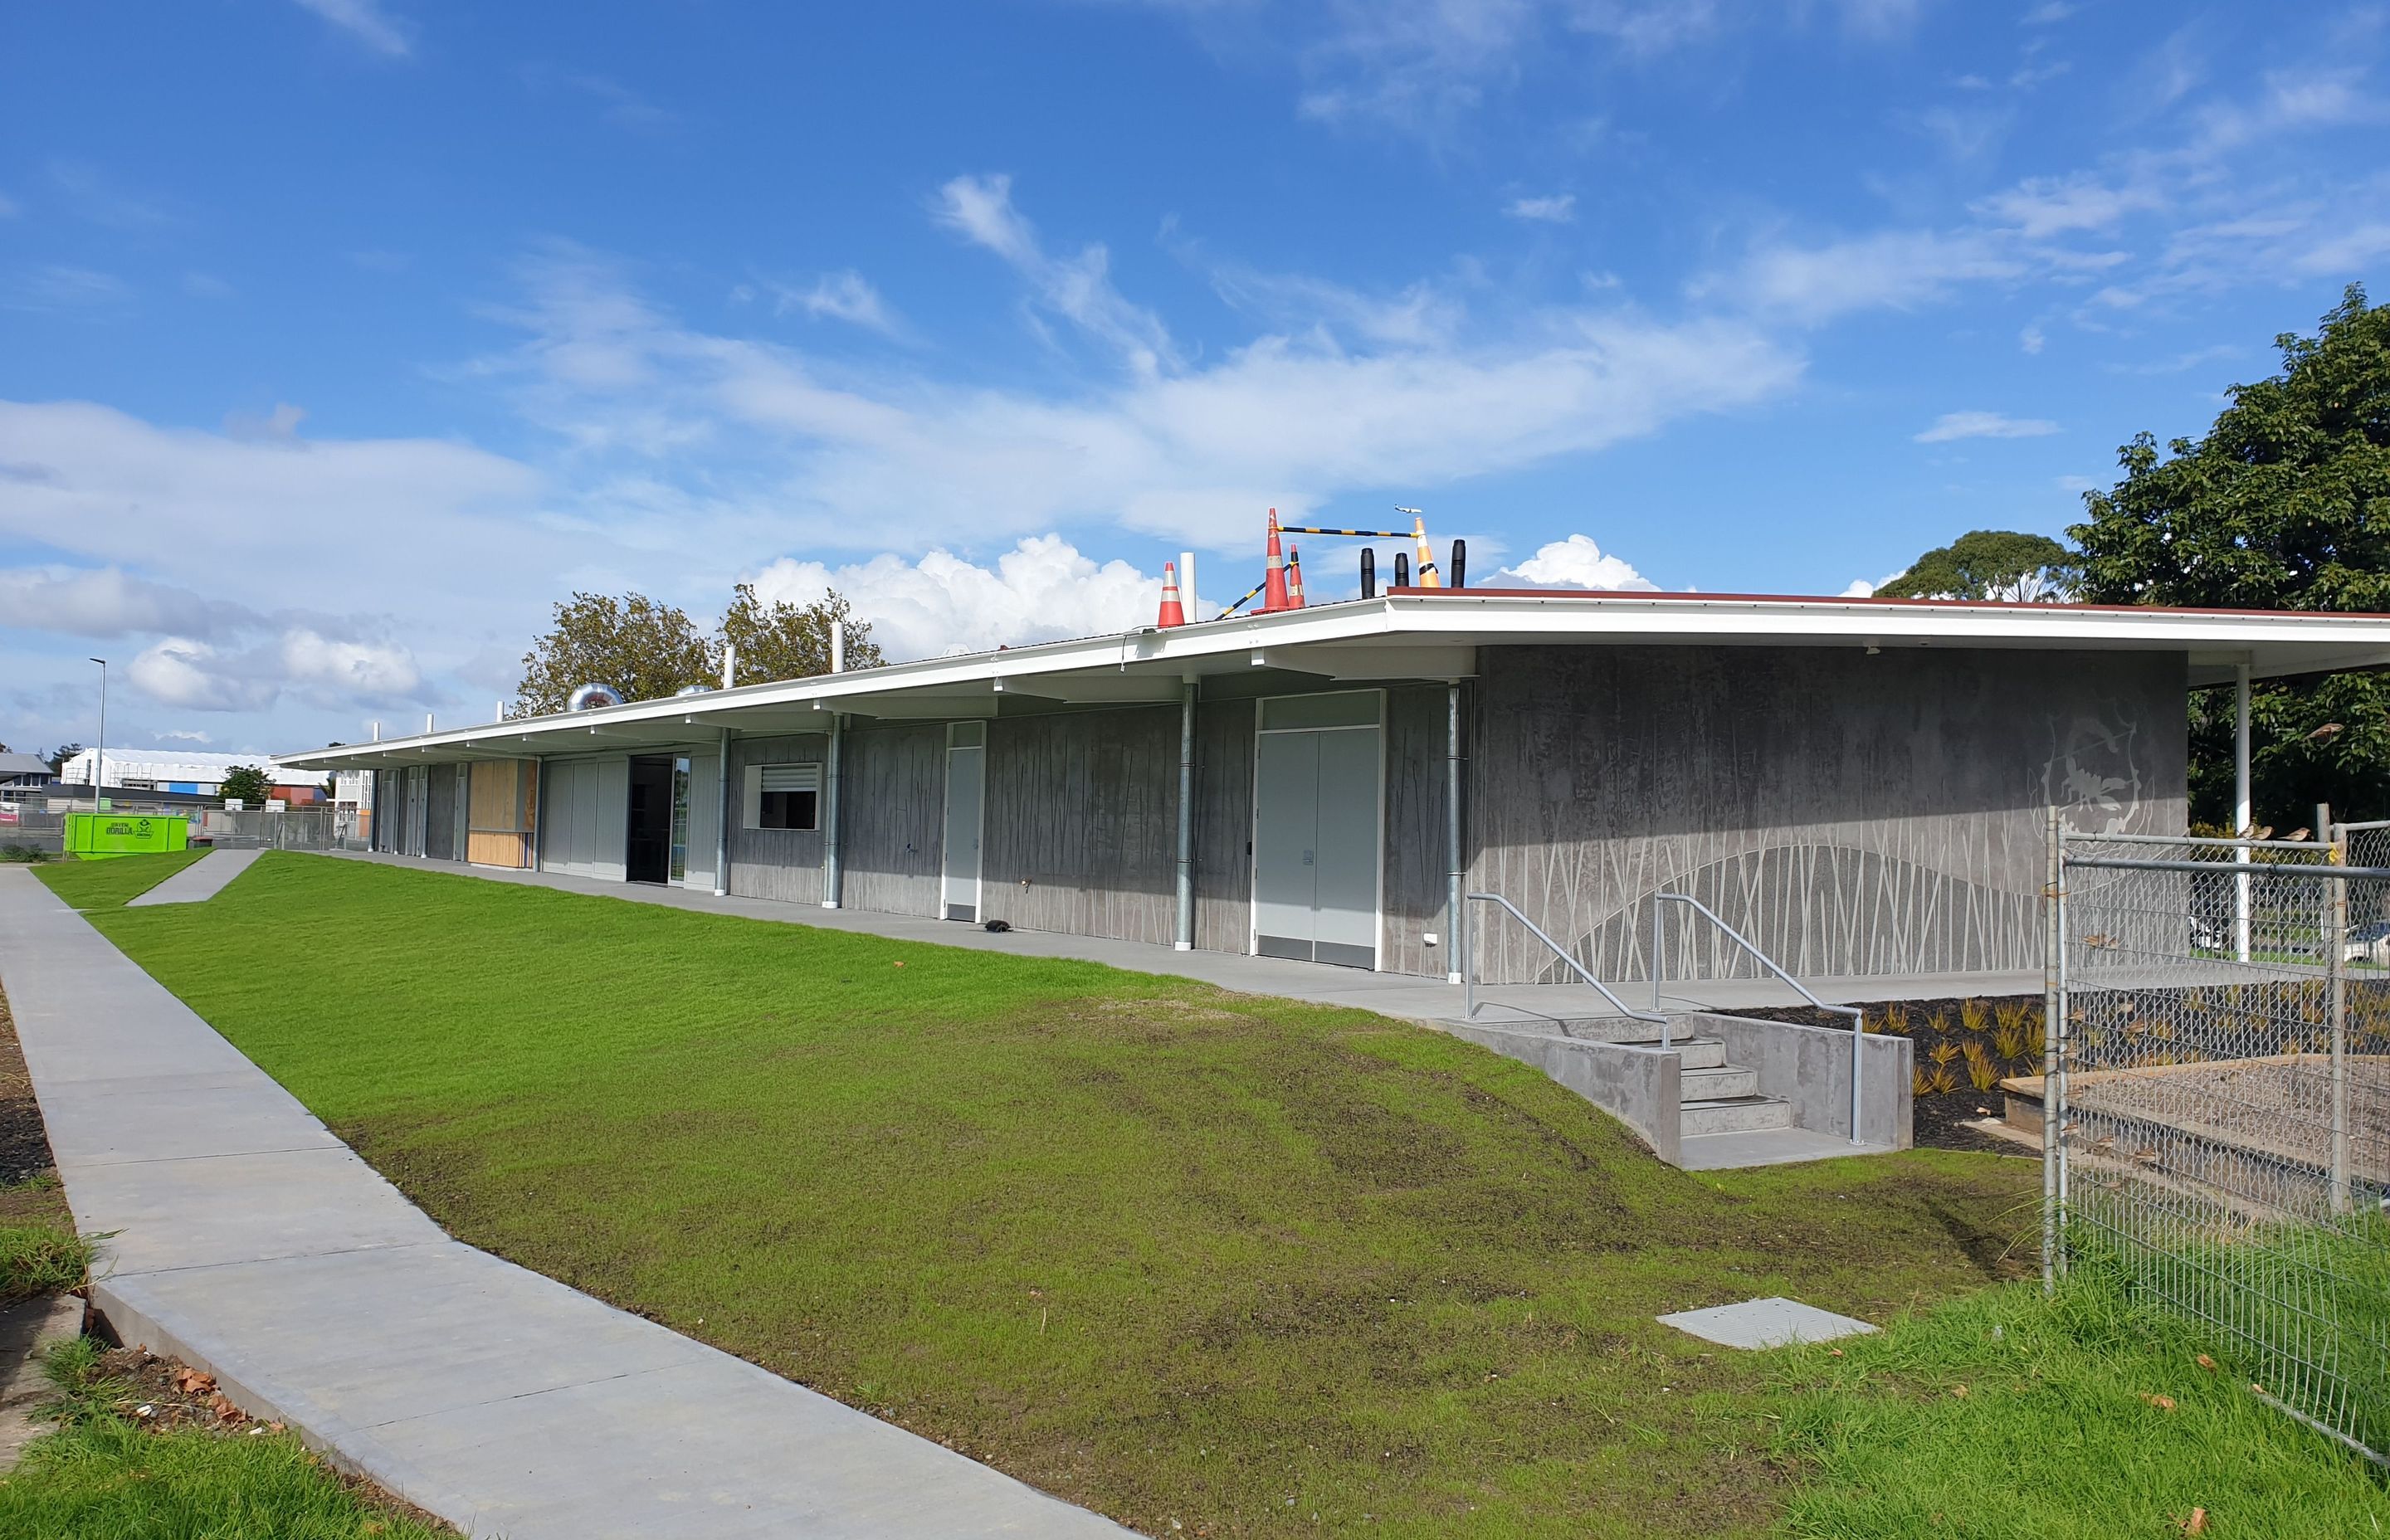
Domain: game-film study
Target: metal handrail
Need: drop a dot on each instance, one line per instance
(1858, 1017)
(1469, 970)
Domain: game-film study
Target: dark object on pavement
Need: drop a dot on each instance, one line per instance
(999, 927)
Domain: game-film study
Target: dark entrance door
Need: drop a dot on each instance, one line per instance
(648, 852)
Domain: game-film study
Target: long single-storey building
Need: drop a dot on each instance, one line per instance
(1860, 786)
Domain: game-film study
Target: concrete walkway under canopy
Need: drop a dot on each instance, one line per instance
(1400, 995)
(200, 881)
(251, 1243)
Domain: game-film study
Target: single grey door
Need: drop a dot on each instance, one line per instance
(965, 787)
(1345, 899)
(1286, 844)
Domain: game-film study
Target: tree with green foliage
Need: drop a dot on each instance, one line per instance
(633, 645)
(1989, 564)
(2284, 504)
(247, 783)
(781, 640)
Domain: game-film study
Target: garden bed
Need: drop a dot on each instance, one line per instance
(2000, 1033)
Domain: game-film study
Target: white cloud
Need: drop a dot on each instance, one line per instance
(191, 675)
(1983, 425)
(1557, 209)
(1894, 269)
(1575, 562)
(1079, 288)
(2044, 206)
(185, 674)
(1042, 590)
(58, 287)
(364, 20)
(2031, 339)
(8, 209)
(847, 297)
(105, 602)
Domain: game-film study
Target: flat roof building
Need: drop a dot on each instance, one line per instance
(1859, 786)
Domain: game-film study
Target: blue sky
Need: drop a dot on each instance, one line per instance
(340, 338)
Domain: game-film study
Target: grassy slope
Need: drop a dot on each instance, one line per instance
(1175, 1254)
(108, 884)
(2003, 1418)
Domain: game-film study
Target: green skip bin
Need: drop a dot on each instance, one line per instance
(98, 836)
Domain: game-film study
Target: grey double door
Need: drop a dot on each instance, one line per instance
(1316, 845)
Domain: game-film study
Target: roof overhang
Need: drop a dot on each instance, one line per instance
(1405, 635)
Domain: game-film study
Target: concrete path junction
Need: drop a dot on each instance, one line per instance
(200, 881)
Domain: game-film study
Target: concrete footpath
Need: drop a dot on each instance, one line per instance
(200, 881)
(253, 1244)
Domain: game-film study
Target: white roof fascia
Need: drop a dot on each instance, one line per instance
(1430, 626)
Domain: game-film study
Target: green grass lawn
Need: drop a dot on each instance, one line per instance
(2004, 1418)
(101, 1476)
(108, 884)
(1182, 1255)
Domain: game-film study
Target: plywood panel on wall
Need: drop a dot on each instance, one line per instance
(783, 864)
(1224, 825)
(1418, 835)
(892, 796)
(1082, 823)
(500, 809)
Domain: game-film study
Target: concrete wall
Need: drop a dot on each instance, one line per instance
(1224, 825)
(1810, 1067)
(1851, 814)
(1641, 1087)
(1418, 835)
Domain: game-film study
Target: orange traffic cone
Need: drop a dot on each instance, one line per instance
(1173, 613)
(1294, 577)
(1274, 578)
(1427, 577)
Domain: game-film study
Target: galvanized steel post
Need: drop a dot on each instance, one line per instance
(2053, 1013)
(834, 868)
(1185, 942)
(722, 810)
(1456, 921)
(2335, 947)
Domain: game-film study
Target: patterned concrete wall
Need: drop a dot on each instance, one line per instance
(1082, 833)
(1850, 814)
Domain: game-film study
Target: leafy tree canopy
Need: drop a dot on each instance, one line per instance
(633, 645)
(59, 755)
(2284, 504)
(785, 641)
(247, 783)
(1989, 564)
(649, 650)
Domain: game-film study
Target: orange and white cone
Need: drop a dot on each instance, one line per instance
(1294, 577)
(1273, 577)
(1426, 576)
(1173, 613)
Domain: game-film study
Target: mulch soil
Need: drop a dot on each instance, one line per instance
(1940, 1119)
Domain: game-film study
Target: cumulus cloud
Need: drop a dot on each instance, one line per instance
(1983, 425)
(1042, 590)
(1575, 562)
(105, 602)
(189, 675)
(1861, 588)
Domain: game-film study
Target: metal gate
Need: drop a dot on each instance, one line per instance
(2216, 1103)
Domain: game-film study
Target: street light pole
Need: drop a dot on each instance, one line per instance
(99, 751)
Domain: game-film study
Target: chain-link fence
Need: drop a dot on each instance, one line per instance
(2217, 1107)
(292, 828)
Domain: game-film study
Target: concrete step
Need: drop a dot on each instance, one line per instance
(1695, 1053)
(1735, 1115)
(1719, 1082)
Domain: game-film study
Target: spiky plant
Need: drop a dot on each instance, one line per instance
(1973, 1015)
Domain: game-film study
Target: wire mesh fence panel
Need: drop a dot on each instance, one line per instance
(259, 829)
(2223, 1105)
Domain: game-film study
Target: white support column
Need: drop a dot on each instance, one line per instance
(834, 864)
(2244, 816)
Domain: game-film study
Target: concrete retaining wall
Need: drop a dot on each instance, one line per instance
(1641, 1087)
(1810, 1067)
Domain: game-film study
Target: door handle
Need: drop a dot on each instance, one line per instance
(1306, 858)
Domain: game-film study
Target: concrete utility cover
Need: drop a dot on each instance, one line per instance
(1764, 1324)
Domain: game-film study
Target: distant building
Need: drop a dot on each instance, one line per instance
(186, 771)
(23, 776)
